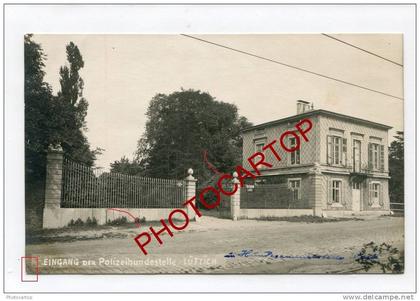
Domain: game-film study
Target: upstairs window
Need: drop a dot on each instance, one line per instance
(294, 156)
(336, 150)
(376, 157)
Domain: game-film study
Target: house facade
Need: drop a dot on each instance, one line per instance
(343, 168)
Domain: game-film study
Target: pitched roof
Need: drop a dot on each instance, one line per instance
(318, 112)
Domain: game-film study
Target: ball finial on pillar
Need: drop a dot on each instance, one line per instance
(190, 172)
(235, 178)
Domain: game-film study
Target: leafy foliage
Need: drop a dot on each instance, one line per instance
(387, 257)
(71, 110)
(122, 220)
(396, 169)
(52, 120)
(90, 222)
(127, 167)
(38, 110)
(183, 125)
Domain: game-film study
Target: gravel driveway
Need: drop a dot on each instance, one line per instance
(203, 246)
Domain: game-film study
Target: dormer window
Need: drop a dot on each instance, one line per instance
(259, 132)
(259, 145)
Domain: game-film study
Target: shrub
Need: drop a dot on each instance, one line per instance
(122, 220)
(140, 220)
(387, 257)
(91, 222)
(78, 223)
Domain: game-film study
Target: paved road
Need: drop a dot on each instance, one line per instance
(201, 248)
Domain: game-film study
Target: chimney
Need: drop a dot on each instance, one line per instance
(303, 106)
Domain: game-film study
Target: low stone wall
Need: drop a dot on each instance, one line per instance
(61, 217)
(33, 218)
(54, 216)
(349, 213)
(258, 213)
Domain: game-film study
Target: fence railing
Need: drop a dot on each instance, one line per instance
(85, 187)
(397, 207)
(271, 196)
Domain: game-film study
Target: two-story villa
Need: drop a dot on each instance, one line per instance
(343, 167)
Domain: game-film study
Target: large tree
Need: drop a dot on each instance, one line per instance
(52, 120)
(127, 167)
(38, 109)
(184, 126)
(71, 110)
(396, 168)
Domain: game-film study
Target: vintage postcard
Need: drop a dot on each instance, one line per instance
(214, 154)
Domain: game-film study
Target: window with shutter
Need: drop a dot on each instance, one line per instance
(294, 156)
(376, 156)
(382, 158)
(381, 196)
(337, 150)
(259, 144)
(294, 186)
(375, 194)
(329, 150)
(336, 191)
(344, 152)
(329, 188)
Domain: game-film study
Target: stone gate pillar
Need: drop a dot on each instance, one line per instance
(316, 195)
(190, 183)
(235, 199)
(53, 180)
(53, 186)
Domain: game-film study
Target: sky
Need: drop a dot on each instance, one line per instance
(123, 72)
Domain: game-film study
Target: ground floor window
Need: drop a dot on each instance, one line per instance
(375, 194)
(295, 186)
(375, 190)
(336, 191)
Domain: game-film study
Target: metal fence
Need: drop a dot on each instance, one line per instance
(85, 187)
(397, 207)
(270, 196)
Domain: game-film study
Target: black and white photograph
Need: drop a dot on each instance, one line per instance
(210, 150)
(206, 154)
